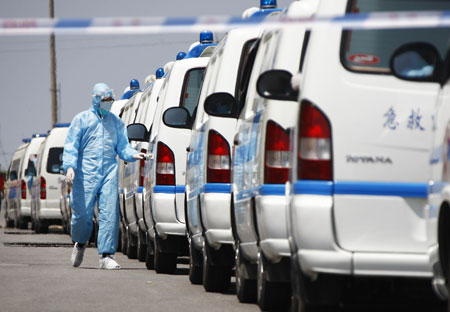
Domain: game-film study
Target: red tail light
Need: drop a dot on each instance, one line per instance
(23, 188)
(218, 159)
(141, 168)
(276, 164)
(43, 188)
(314, 144)
(165, 166)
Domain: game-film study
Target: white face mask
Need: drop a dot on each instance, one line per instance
(105, 107)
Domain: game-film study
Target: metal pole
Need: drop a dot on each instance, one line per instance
(53, 88)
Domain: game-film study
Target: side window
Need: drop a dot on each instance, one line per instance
(370, 50)
(245, 69)
(191, 89)
(54, 161)
(13, 172)
(31, 168)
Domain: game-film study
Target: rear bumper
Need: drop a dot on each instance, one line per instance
(165, 214)
(139, 206)
(215, 213)
(272, 224)
(313, 241)
(25, 211)
(49, 209)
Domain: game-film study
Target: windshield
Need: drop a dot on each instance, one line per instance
(54, 162)
(370, 50)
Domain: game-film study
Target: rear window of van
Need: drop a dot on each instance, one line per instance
(54, 161)
(371, 50)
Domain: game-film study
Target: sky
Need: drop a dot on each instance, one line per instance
(82, 61)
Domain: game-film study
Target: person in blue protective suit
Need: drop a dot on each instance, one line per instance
(134, 87)
(95, 138)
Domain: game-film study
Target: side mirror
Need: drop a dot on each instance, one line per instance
(417, 61)
(138, 132)
(276, 85)
(221, 104)
(177, 117)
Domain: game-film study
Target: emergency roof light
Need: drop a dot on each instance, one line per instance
(61, 125)
(160, 73)
(206, 40)
(181, 55)
(206, 36)
(134, 84)
(39, 135)
(268, 4)
(26, 140)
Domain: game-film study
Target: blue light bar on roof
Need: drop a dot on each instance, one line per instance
(206, 36)
(61, 125)
(181, 55)
(268, 4)
(39, 135)
(159, 73)
(26, 140)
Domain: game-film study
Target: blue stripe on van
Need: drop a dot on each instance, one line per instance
(272, 189)
(169, 189)
(218, 188)
(401, 189)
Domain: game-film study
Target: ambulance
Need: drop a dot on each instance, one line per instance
(261, 167)
(371, 111)
(165, 170)
(133, 236)
(208, 176)
(15, 184)
(46, 186)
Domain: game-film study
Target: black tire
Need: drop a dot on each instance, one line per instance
(131, 246)
(20, 223)
(195, 265)
(215, 278)
(149, 255)
(164, 262)
(119, 239)
(9, 221)
(245, 287)
(141, 246)
(41, 227)
(124, 239)
(270, 295)
(322, 295)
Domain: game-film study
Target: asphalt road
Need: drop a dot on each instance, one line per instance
(36, 275)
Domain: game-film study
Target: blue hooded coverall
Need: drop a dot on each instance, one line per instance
(90, 149)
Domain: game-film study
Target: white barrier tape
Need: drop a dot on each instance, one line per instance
(149, 25)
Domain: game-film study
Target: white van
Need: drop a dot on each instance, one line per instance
(361, 162)
(164, 184)
(208, 173)
(15, 184)
(261, 167)
(23, 214)
(134, 242)
(128, 219)
(45, 208)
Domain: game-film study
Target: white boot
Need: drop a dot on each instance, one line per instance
(108, 263)
(77, 254)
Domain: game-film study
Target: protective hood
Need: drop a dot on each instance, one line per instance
(100, 91)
